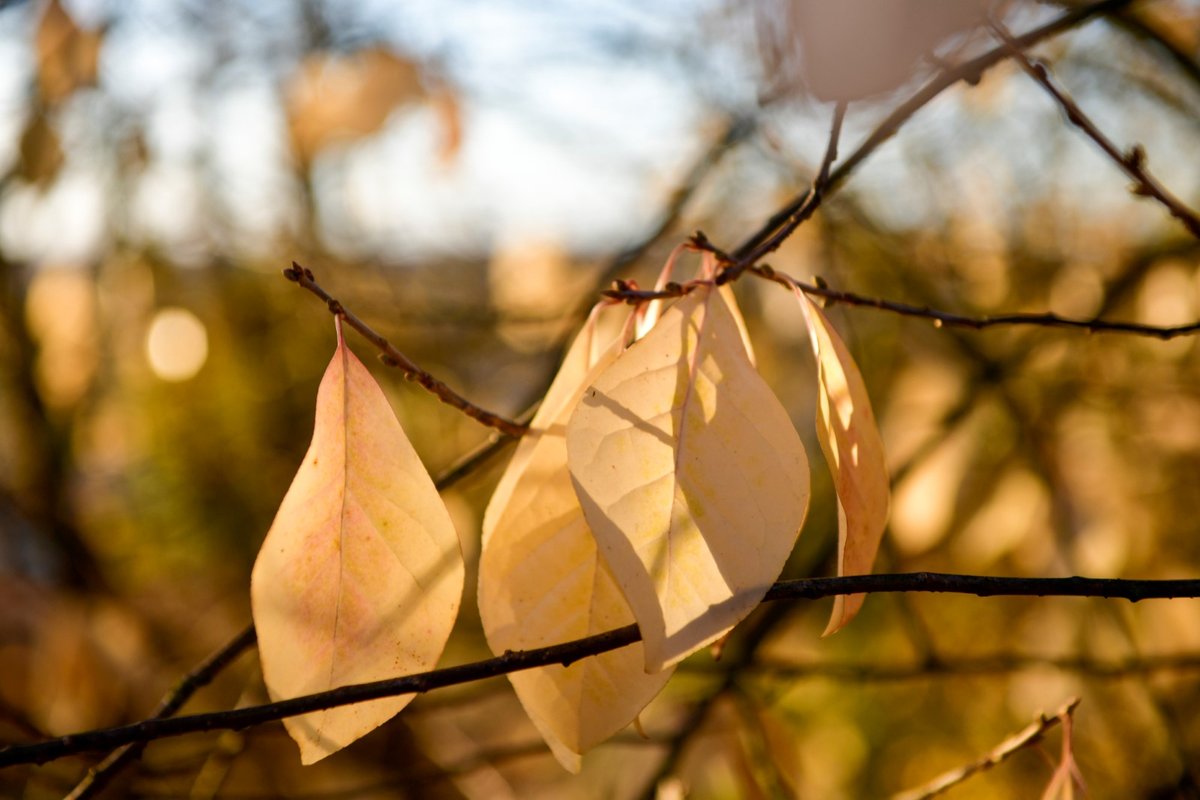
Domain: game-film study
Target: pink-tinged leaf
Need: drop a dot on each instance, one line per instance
(361, 574)
(852, 445)
(542, 582)
(691, 477)
(1066, 774)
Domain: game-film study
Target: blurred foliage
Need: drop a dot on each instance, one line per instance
(460, 174)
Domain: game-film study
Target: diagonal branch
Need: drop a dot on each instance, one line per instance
(570, 652)
(99, 776)
(967, 72)
(1131, 162)
(1026, 737)
(394, 358)
(812, 201)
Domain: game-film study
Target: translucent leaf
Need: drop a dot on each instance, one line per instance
(690, 475)
(66, 55)
(563, 391)
(542, 582)
(852, 446)
(335, 97)
(361, 575)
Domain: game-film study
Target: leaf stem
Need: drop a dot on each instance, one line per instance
(394, 358)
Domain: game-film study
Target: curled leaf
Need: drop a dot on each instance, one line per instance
(542, 582)
(854, 449)
(360, 576)
(691, 476)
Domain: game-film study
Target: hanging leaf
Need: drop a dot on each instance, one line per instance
(542, 582)
(67, 57)
(563, 391)
(690, 475)
(361, 574)
(854, 449)
(731, 302)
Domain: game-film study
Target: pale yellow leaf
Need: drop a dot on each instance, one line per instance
(564, 390)
(850, 440)
(542, 582)
(360, 577)
(731, 301)
(691, 477)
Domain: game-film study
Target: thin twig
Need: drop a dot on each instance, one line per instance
(1138, 26)
(99, 776)
(731, 669)
(939, 318)
(1132, 162)
(204, 673)
(942, 667)
(1027, 737)
(735, 132)
(968, 72)
(816, 193)
(570, 652)
(394, 358)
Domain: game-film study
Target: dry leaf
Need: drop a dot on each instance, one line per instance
(343, 98)
(67, 56)
(542, 582)
(1066, 774)
(563, 391)
(852, 446)
(41, 150)
(810, 41)
(360, 577)
(690, 475)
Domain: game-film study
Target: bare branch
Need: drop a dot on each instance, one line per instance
(99, 776)
(737, 131)
(102, 774)
(1141, 28)
(974, 666)
(394, 358)
(1132, 162)
(946, 318)
(1026, 737)
(570, 652)
(968, 72)
(812, 202)
(939, 318)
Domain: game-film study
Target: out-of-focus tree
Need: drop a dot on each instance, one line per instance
(467, 176)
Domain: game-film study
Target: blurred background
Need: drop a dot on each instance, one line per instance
(465, 176)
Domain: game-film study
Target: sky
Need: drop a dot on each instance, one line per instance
(577, 118)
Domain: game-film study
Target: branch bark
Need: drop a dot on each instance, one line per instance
(394, 358)
(969, 72)
(570, 652)
(1132, 162)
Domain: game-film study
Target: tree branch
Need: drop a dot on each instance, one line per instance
(98, 777)
(939, 318)
(972, 666)
(394, 358)
(812, 201)
(1132, 162)
(1026, 737)
(570, 652)
(102, 774)
(969, 72)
